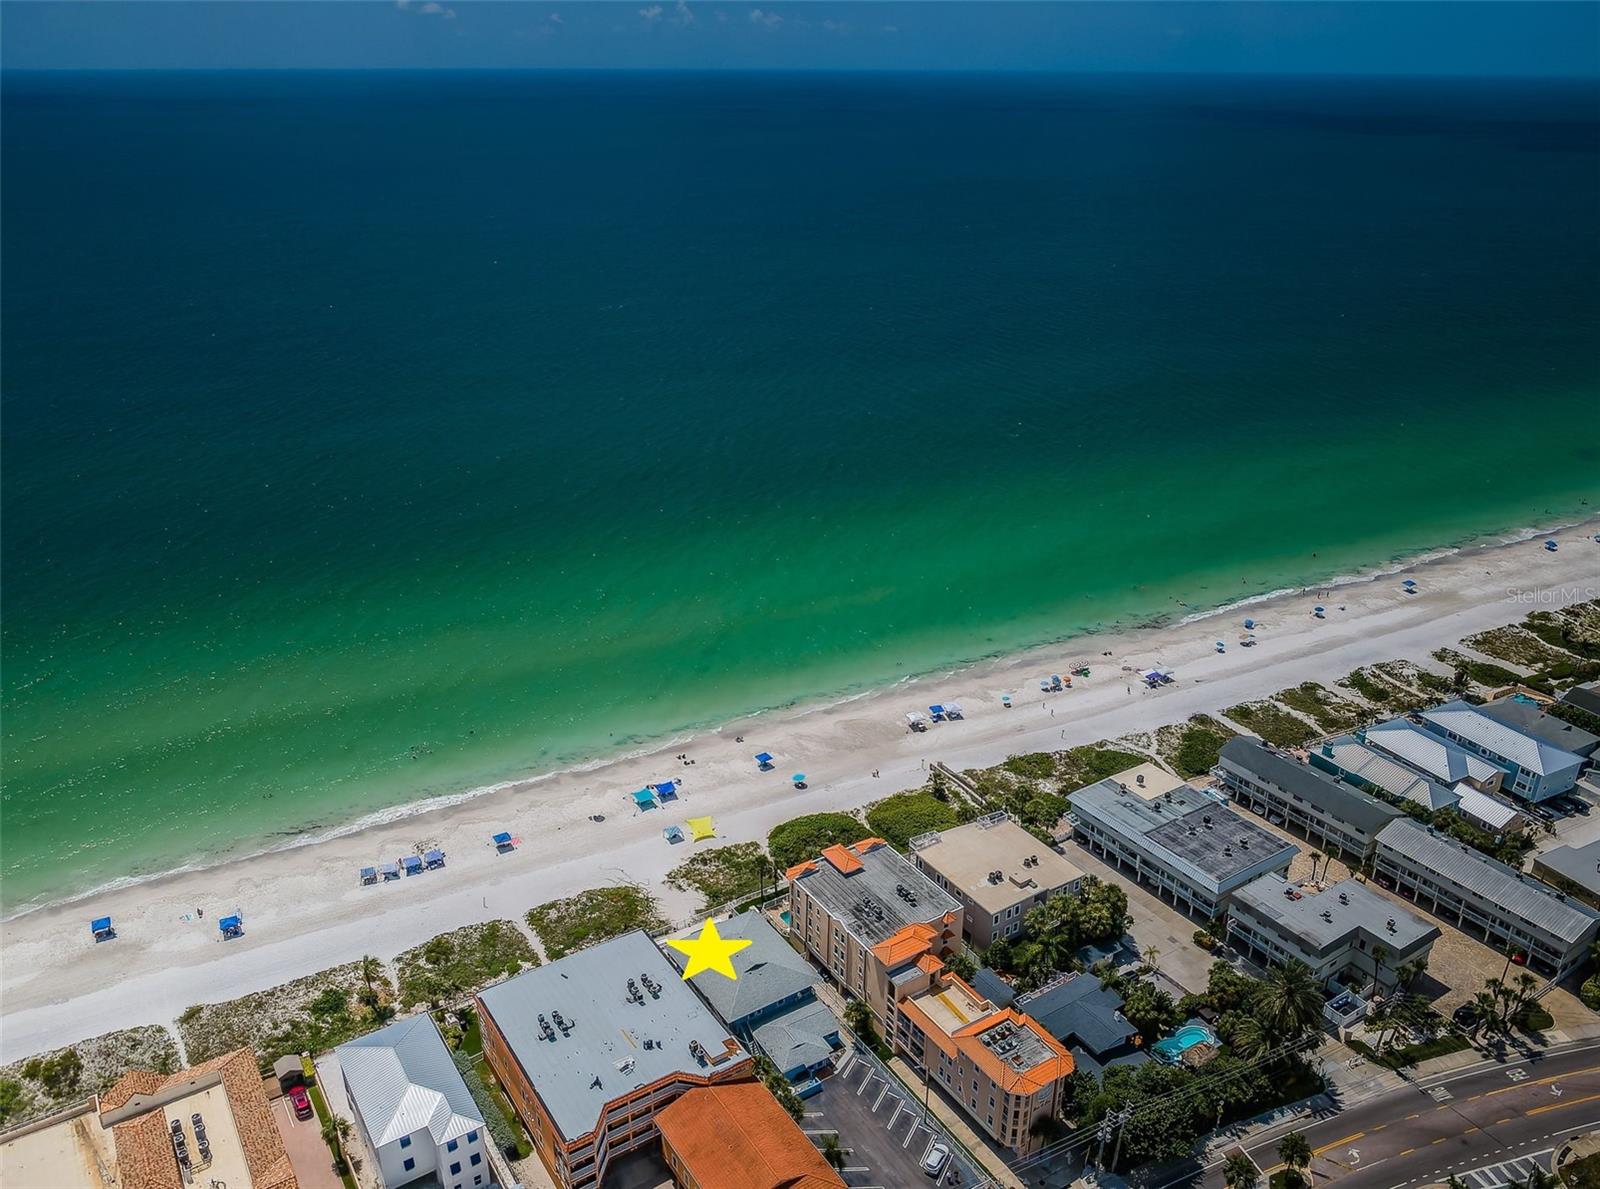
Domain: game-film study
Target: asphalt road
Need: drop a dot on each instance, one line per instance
(1469, 1120)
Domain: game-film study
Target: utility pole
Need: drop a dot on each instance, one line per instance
(1122, 1118)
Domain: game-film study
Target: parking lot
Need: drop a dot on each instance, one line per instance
(881, 1128)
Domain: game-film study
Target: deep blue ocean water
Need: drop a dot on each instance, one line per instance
(370, 436)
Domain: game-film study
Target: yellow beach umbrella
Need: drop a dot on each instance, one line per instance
(701, 827)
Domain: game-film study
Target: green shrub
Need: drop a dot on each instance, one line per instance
(723, 874)
(565, 926)
(451, 966)
(1204, 940)
(806, 837)
(1199, 746)
(1273, 723)
(1590, 993)
(900, 818)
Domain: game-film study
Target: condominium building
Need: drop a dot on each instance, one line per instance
(1185, 843)
(1330, 812)
(1535, 769)
(1527, 715)
(590, 1048)
(1345, 931)
(997, 870)
(1002, 1067)
(1514, 912)
(879, 926)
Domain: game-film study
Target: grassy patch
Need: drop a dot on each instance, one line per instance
(1479, 673)
(722, 874)
(565, 926)
(1192, 747)
(1412, 1054)
(900, 818)
(1273, 723)
(452, 965)
(307, 1015)
(1324, 707)
(1034, 788)
(1082, 766)
(1533, 1018)
(52, 1081)
(1379, 690)
(1517, 646)
(806, 837)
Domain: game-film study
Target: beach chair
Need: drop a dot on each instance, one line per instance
(369, 875)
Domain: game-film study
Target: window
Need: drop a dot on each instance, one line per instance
(405, 1141)
(452, 1145)
(478, 1180)
(477, 1158)
(455, 1169)
(472, 1137)
(410, 1163)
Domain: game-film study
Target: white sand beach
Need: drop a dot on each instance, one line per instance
(304, 909)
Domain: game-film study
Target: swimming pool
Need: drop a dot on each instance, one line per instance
(1184, 1039)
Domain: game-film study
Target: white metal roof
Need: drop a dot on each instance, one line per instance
(402, 1080)
(1491, 812)
(1508, 890)
(1528, 753)
(1430, 753)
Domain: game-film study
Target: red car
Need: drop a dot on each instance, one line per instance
(301, 1101)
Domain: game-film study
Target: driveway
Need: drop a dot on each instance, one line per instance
(881, 1128)
(308, 1155)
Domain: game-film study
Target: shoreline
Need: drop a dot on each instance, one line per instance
(304, 909)
(780, 713)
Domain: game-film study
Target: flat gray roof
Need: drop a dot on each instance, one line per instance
(869, 900)
(1325, 919)
(603, 1054)
(1505, 889)
(966, 856)
(1328, 793)
(769, 969)
(1580, 864)
(1199, 835)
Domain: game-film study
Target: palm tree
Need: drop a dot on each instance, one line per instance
(1486, 1007)
(1539, 1179)
(1527, 984)
(371, 968)
(1316, 855)
(1250, 1039)
(1379, 953)
(1295, 1152)
(1289, 1002)
(1240, 1172)
(1454, 1182)
(831, 1151)
(1151, 953)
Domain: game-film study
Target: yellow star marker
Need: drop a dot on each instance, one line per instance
(709, 951)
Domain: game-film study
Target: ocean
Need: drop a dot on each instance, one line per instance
(370, 437)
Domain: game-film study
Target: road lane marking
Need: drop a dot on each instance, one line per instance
(1441, 1139)
(1555, 1106)
(1526, 1085)
(1407, 1151)
(1336, 1143)
(1380, 1127)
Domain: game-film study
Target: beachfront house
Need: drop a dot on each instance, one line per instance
(412, 1108)
(1535, 769)
(773, 1002)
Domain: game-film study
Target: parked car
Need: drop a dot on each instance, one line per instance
(935, 1158)
(301, 1102)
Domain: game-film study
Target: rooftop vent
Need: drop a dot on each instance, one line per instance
(545, 1031)
(1138, 779)
(1344, 897)
(562, 1023)
(1389, 925)
(651, 985)
(1326, 915)
(595, 1085)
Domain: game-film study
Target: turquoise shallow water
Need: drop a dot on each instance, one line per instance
(375, 436)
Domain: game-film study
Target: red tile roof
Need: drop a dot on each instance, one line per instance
(736, 1136)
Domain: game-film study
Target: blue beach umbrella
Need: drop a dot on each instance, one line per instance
(798, 778)
(1250, 625)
